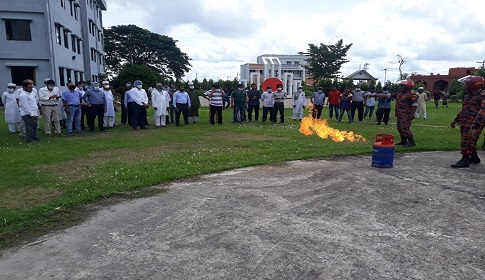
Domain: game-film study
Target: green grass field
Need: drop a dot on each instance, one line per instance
(44, 185)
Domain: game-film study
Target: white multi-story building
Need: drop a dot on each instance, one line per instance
(57, 39)
(288, 68)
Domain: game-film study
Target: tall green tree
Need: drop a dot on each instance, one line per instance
(132, 45)
(325, 61)
(147, 75)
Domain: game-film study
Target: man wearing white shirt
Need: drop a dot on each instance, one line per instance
(29, 110)
(139, 106)
(109, 116)
(160, 104)
(48, 99)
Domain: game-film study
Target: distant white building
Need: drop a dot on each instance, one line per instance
(57, 39)
(288, 68)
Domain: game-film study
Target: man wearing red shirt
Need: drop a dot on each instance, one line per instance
(333, 102)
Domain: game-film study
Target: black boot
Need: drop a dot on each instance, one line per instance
(410, 143)
(403, 142)
(474, 158)
(463, 162)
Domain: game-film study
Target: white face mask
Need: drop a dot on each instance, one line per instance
(191, 87)
(240, 88)
(280, 89)
(139, 86)
(50, 87)
(106, 86)
(10, 90)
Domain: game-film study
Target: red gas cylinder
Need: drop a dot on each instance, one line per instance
(383, 151)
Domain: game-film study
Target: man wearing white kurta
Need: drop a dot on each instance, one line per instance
(12, 113)
(161, 104)
(48, 99)
(139, 105)
(109, 116)
(422, 96)
(298, 104)
(34, 94)
(29, 110)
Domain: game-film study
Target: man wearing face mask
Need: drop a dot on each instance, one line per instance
(48, 99)
(181, 103)
(268, 103)
(194, 100)
(318, 99)
(239, 101)
(383, 107)
(81, 87)
(121, 91)
(298, 104)
(97, 106)
(254, 96)
(29, 110)
(279, 103)
(160, 104)
(109, 116)
(12, 114)
(72, 102)
(140, 105)
(358, 104)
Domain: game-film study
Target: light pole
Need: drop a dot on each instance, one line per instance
(482, 63)
(385, 75)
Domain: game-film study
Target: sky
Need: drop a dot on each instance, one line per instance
(221, 35)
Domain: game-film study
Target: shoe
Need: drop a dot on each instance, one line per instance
(410, 144)
(462, 163)
(402, 143)
(474, 158)
(71, 133)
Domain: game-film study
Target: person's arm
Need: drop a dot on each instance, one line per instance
(188, 100)
(4, 98)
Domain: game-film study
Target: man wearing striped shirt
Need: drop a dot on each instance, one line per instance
(216, 97)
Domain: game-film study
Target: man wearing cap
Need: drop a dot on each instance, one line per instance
(253, 102)
(29, 110)
(268, 103)
(109, 116)
(181, 104)
(195, 102)
(318, 99)
(49, 100)
(139, 105)
(298, 104)
(161, 105)
(72, 101)
(121, 91)
(12, 114)
(96, 101)
(422, 96)
(239, 102)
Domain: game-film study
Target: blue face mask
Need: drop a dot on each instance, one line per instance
(10, 90)
(96, 88)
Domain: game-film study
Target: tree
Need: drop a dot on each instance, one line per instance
(401, 61)
(325, 61)
(132, 45)
(147, 75)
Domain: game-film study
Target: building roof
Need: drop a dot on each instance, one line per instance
(362, 75)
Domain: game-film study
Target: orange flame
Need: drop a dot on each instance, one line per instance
(310, 126)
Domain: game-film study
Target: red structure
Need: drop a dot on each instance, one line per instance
(432, 82)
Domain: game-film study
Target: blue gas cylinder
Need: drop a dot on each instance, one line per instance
(383, 151)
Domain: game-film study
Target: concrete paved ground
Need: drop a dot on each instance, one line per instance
(321, 219)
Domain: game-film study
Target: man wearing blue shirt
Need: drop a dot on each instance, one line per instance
(318, 99)
(97, 106)
(72, 100)
(181, 104)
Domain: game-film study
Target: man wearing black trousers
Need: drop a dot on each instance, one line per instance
(96, 102)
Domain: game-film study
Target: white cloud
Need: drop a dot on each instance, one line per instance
(220, 35)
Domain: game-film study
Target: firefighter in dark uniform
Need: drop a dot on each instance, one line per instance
(406, 105)
(470, 121)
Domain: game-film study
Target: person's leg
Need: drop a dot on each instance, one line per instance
(219, 114)
(234, 114)
(250, 112)
(320, 109)
(366, 111)
(256, 112)
(69, 119)
(212, 113)
(177, 117)
(265, 114)
(172, 113)
(100, 117)
(282, 112)
(349, 116)
(371, 112)
(185, 112)
(379, 115)
(77, 119)
(360, 110)
(353, 107)
(11, 127)
(142, 118)
(387, 112)
(47, 113)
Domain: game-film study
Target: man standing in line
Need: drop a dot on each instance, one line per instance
(139, 99)
(12, 114)
(239, 102)
(35, 96)
(72, 102)
(121, 91)
(48, 99)
(161, 105)
(81, 87)
(195, 102)
(298, 104)
(383, 107)
(109, 116)
(29, 110)
(422, 96)
(318, 99)
(268, 103)
(333, 102)
(445, 94)
(216, 103)
(436, 98)
(279, 103)
(253, 102)
(181, 103)
(97, 106)
(358, 103)
(470, 119)
(370, 103)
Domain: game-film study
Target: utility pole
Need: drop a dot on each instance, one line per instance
(482, 63)
(385, 75)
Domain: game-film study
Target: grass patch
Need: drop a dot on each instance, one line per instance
(46, 185)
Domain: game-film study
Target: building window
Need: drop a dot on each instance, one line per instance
(66, 39)
(288, 62)
(297, 63)
(62, 80)
(58, 35)
(69, 75)
(81, 76)
(79, 46)
(76, 8)
(63, 3)
(18, 30)
(73, 43)
(72, 8)
(20, 73)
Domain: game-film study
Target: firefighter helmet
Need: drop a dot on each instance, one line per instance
(473, 82)
(406, 84)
